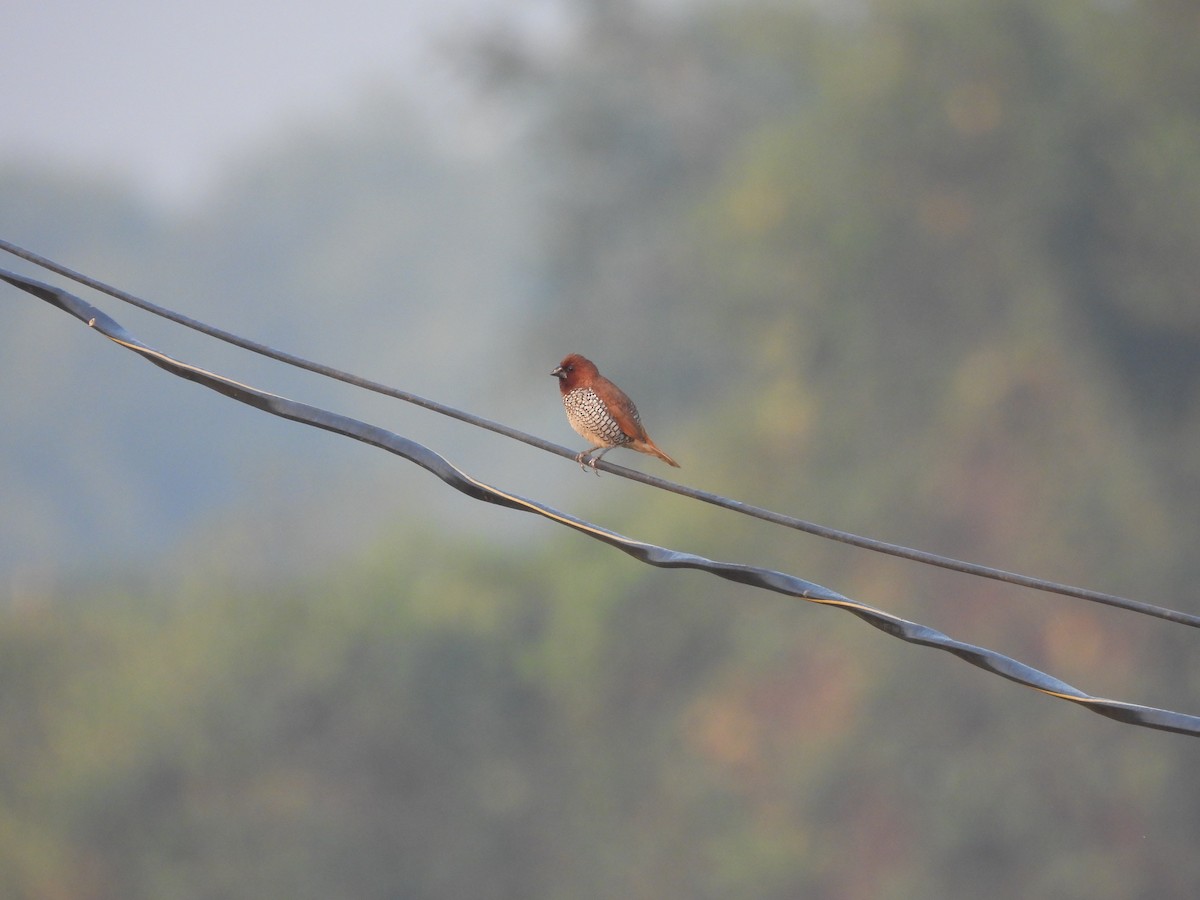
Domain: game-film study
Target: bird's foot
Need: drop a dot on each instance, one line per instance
(585, 459)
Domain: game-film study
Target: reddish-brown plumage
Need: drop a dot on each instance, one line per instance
(601, 412)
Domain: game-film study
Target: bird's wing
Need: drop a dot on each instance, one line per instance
(620, 407)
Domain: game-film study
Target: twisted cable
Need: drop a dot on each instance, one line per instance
(651, 554)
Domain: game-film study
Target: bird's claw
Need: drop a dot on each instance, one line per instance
(586, 459)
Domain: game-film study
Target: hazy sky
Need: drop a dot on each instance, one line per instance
(163, 93)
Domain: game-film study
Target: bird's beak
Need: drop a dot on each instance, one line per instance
(559, 373)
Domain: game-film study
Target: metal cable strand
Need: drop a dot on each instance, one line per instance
(768, 579)
(758, 512)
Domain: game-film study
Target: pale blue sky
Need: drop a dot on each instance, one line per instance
(162, 94)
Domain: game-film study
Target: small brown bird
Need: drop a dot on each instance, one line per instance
(601, 413)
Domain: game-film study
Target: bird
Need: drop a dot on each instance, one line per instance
(601, 412)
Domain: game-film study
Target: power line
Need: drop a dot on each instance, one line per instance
(651, 554)
(758, 512)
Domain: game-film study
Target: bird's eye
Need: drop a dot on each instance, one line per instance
(571, 368)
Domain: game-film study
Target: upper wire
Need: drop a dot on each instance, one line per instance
(898, 550)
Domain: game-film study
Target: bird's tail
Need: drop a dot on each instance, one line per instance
(648, 446)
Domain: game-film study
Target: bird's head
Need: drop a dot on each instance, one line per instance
(574, 371)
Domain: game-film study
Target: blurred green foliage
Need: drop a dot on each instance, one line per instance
(923, 270)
